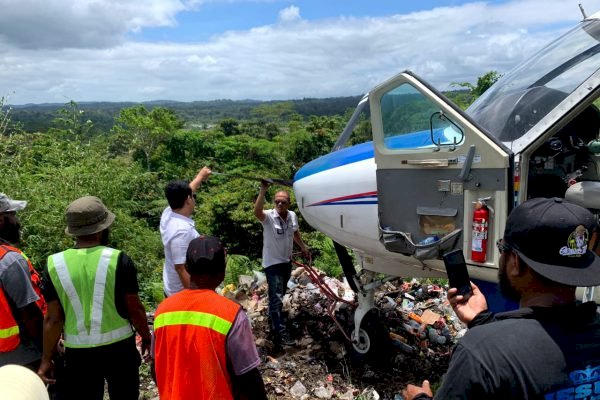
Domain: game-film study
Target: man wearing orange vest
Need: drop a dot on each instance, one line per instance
(20, 317)
(204, 348)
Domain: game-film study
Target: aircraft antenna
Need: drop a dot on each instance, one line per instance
(582, 11)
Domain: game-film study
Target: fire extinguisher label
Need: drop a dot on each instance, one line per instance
(476, 245)
(479, 231)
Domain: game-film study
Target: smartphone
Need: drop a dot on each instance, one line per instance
(456, 268)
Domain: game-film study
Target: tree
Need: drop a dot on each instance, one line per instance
(145, 130)
(71, 122)
(275, 111)
(474, 91)
(229, 126)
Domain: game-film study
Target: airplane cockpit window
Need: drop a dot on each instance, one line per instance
(412, 121)
(520, 99)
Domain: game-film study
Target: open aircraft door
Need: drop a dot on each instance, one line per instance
(433, 165)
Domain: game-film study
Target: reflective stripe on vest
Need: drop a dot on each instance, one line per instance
(94, 336)
(196, 318)
(9, 330)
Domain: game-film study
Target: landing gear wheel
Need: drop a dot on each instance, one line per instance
(364, 342)
(373, 339)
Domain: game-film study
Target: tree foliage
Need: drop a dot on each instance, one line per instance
(51, 169)
(145, 130)
(484, 82)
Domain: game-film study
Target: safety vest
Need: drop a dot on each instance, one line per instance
(84, 280)
(36, 279)
(190, 331)
(9, 329)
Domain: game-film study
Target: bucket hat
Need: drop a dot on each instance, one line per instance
(87, 215)
(9, 205)
(551, 236)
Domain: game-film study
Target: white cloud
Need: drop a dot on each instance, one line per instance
(292, 13)
(39, 24)
(295, 59)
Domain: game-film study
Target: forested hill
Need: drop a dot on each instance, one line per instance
(39, 117)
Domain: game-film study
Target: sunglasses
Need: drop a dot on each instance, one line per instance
(503, 247)
(193, 195)
(283, 202)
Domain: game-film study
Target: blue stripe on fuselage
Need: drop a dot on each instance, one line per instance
(338, 158)
(365, 151)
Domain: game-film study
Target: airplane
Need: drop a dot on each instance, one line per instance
(437, 178)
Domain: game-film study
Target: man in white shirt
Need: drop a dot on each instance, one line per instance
(280, 231)
(177, 230)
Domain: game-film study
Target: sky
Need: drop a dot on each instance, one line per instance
(54, 51)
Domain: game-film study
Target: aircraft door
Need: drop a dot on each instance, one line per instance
(433, 164)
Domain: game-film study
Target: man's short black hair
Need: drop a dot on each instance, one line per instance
(177, 192)
(205, 256)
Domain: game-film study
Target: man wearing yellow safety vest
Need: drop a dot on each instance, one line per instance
(204, 348)
(92, 295)
(20, 317)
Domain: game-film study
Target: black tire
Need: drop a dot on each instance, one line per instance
(374, 332)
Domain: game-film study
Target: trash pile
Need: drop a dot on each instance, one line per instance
(413, 324)
(413, 330)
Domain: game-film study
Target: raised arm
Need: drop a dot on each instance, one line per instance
(259, 205)
(202, 176)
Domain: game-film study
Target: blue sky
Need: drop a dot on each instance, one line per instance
(213, 18)
(132, 50)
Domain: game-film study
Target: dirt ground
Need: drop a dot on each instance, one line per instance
(323, 365)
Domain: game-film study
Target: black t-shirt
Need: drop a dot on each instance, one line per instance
(531, 353)
(125, 283)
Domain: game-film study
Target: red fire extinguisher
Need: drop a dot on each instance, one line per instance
(481, 217)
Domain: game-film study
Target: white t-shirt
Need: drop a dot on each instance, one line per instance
(176, 231)
(278, 237)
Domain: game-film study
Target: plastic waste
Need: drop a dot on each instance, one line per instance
(429, 240)
(291, 284)
(400, 342)
(434, 337)
(298, 390)
(260, 277)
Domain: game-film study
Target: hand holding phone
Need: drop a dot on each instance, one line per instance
(456, 268)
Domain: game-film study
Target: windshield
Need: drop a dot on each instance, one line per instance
(521, 98)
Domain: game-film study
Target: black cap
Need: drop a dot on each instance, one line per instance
(551, 236)
(205, 254)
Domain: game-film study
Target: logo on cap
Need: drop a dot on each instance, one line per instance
(577, 243)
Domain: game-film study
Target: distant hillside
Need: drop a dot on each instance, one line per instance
(38, 117)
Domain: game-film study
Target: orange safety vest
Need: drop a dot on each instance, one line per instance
(9, 329)
(36, 280)
(190, 331)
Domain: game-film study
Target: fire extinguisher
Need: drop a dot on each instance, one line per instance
(481, 217)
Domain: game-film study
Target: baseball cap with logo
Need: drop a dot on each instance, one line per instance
(205, 255)
(551, 236)
(87, 215)
(9, 205)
